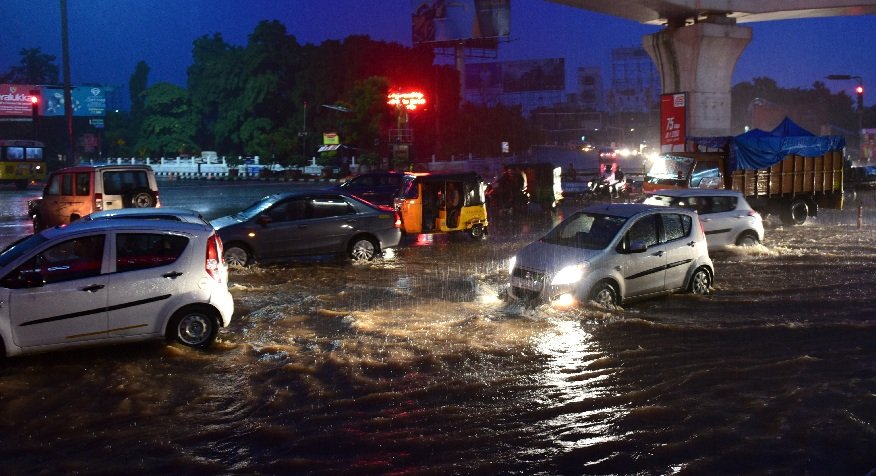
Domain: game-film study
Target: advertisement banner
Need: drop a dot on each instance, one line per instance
(673, 115)
(330, 138)
(15, 99)
(88, 101)
(534, 75)
(445, 21)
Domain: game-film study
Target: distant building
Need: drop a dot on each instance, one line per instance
(591, 95)
(635, 83)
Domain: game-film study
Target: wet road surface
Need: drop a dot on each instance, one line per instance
(412, 364)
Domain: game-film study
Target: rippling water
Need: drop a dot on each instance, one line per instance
(414, 365)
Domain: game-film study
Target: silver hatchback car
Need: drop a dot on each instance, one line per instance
(109, 281)
(727, 218)
(613, 253)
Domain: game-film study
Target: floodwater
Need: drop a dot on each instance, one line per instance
(413, 365)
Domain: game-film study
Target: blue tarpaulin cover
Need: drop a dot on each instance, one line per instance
(757, 149)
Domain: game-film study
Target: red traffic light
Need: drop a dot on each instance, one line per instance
(859, 90)
(34, 100)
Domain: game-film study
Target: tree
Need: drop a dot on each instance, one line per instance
(169, 123)
(36, 67)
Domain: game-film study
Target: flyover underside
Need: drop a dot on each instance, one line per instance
(697, 51)
(661, 12)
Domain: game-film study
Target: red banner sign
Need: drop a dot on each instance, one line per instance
(673, 115)
(15, 99)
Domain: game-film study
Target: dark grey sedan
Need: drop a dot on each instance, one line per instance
(307, 223)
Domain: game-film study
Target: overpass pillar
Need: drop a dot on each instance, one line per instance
(699, 59)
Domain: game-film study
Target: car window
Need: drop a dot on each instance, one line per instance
(325, 207)
(83, 184)
(54, 187)
(67, 184)
(585, 230)
(675, 226)
(722, 204)
(121, 182)
(72, 259)
(288, 210)
(644, 230)
(147, 250)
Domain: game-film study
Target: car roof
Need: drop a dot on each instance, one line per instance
(90, 167)
(627, 210)
(694, 192)
(135, 212)
(120, 224)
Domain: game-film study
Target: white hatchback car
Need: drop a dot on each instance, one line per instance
(727, 218)
(108, 281)
(613, 253)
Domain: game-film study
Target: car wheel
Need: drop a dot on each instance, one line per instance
(141, 199)
(193, 327)
(477, 232)
(362, 249)
(37, 224)
(700, 282)
(747, 239)
(604, 295)
(237, 256)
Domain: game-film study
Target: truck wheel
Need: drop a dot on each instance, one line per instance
(797, 213)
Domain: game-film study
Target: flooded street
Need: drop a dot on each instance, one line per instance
(413, 364)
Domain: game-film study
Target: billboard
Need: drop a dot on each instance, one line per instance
(673, 119)
(15, 99)
(88, 101)
(516, 76)
(450, 21)
(534, 75)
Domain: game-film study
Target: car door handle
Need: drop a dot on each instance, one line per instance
(706, 219)
(692, 244)
(172, 275)
(659, 253)
(92, 288)
(301, 227)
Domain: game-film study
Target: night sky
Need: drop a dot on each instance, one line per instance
(109, 37)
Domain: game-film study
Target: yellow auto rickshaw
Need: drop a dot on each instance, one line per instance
(443, 203)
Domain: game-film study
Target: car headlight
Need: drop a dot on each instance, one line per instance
(511, 263)
(569, 274)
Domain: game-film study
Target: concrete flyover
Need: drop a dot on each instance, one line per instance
(697, 51)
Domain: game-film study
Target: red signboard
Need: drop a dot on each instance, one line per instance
(15, 99)
(673, 114)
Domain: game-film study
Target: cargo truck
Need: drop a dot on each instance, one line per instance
(786, 172)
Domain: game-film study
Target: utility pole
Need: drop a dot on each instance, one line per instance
(68, 96)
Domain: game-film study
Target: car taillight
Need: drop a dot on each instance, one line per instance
(702, 230)
(155, 198)
(753, 214)
(98, 202)
(397, 220)
(213, 262)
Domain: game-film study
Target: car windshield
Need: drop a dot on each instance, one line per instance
(19, 248)
(670, 167)
(590, 231)
(257, 208)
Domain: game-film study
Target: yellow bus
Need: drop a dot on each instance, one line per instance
(22, 162)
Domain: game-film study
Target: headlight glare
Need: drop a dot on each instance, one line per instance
(569, 274)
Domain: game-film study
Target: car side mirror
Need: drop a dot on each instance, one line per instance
(263, 220)
(638, 246)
